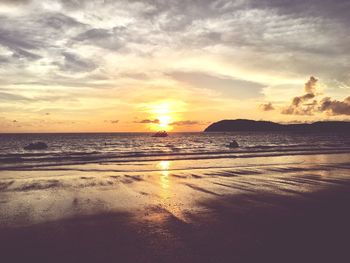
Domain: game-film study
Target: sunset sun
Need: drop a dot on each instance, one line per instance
(164, 121)
(163, 115)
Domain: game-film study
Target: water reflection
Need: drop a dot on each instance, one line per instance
(164, 167)
(168, 193)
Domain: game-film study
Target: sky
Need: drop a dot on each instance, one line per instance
(114, 66)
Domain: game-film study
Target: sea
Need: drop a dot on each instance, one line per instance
(82, 148)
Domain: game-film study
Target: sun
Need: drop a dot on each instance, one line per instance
(164, 114)
(164, 121)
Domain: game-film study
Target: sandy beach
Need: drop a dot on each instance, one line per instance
(263, 209)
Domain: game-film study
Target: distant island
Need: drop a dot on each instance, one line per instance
(268, 126)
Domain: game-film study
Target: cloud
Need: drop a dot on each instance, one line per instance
(93, 34)
(135, 76)
(146, 121)
(301, 105)
(74, 4)
(267, 107)
(112, 121)
(29, 38)
(19, 43)
(310, 86)
(5, 96)
(75, 63)
(112, 39)
(14, 2)
(308, 105)
(59, 22)
(227, 86)
(184, 123)
(331, 9)
(335, 107)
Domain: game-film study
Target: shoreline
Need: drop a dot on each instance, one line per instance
(18, 165)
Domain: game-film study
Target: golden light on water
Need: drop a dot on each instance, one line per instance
(164, 167)
(168, 195)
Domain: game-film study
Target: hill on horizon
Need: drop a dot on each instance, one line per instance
(252, 125)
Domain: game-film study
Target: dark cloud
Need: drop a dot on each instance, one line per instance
(19, 43)
(267, 107)
(310, 86)
(335, 107)
(95, 33)
(237, 88)
(146, 121)
(16, 39)
(58, 21)
(20, 53)
(112, 39)
(75, 63)
(334, 9)
(184, 123)
(76, 4)
(29, 37)
(4, 60)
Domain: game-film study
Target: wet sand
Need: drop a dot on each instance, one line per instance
(275, 209)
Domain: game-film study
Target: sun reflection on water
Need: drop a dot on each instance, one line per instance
(164, 177)
(168, 191)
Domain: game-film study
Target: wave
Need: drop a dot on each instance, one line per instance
(31, 161)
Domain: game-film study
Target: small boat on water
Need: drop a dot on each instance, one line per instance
(160, 134)
(233, 144)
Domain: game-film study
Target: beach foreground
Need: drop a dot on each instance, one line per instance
(263, 209)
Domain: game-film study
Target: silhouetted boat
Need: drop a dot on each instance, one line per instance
(160, 134)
